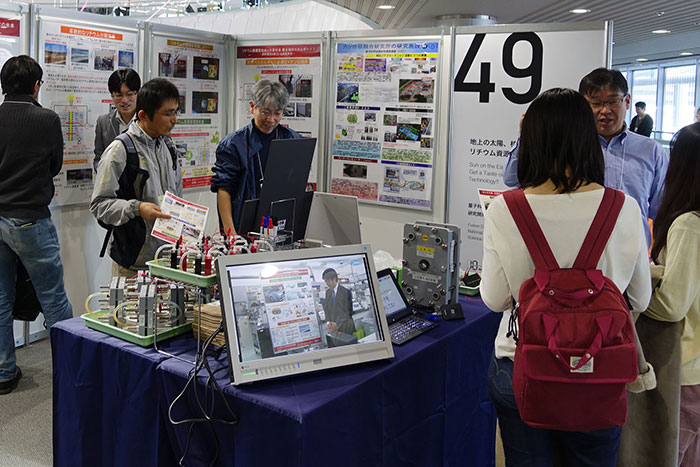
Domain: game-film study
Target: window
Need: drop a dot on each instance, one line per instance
(644, 90)
(678, 98)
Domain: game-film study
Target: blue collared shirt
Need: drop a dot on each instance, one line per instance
(634, 164)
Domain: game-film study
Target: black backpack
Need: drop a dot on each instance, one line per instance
(129, 237)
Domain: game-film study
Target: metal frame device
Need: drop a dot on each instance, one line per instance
(313, 358)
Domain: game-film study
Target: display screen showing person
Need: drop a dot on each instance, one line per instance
(337, 305)
(123, 85)
(241, 157)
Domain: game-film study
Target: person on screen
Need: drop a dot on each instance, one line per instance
(337, 305)
(131, 208)
(241, 156)
(31, 155)
(633, 164)
(123, 85)
(642, 123)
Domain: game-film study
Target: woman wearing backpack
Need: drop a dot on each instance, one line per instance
(677, 247)
(561, 171)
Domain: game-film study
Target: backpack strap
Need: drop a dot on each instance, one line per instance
(530, 230)
(600, 230)
(130, 171)
(172, 149)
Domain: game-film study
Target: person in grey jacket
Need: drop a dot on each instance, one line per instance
(156, 115)
(123, 85)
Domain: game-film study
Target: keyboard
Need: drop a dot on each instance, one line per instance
(408, 328)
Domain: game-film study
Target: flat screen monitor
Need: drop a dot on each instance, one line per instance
(334, 219)
(286, 176)
(283, 318)
(393, 299)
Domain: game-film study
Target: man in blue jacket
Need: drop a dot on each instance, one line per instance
(241, 156)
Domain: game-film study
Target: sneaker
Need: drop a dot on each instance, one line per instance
(7, 387)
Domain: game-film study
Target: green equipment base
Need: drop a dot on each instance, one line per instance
(471, 291)
(161, 269)
(144, 341)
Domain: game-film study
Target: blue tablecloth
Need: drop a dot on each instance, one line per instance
(428, 406)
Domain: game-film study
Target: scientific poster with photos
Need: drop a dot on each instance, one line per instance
(77, 61)
(298, 67)
(196, 68)
(384, 121)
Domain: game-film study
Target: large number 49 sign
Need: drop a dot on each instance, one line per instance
(485, 87)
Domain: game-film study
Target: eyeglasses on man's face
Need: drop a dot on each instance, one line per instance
(170, 114)
(267, 113)
(611, 104)
(117, 96)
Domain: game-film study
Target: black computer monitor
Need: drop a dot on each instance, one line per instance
(286, 176)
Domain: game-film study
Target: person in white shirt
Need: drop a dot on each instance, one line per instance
(562, 173)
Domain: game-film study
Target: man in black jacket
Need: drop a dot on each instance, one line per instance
(31, 154)
(338, 304)
(642, 123)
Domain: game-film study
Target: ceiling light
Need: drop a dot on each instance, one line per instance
(386, 7)
(660, 31)
(660, 13)
(579, 11)
(685, 54)
(642, 59)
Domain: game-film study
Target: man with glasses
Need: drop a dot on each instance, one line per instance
(241, 156)
(123, 85)
(634, 164)
(132, 207)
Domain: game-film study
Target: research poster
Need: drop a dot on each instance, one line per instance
(77, 61)
(10, 45)
(197, 69)
(384, 121)
(496, 76)
(298, 67)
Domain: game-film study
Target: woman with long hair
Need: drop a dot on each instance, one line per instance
(677, 297)
(561, 172)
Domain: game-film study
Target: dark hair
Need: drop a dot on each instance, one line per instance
(19, 75)
(602, 78)
(126, 76)
(329, 274)
(559, 142)
(152, 95)
(641, 105)
(682, 191)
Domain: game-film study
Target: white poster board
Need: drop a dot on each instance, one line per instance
(384, 116)
(10, 34)
(497, 74)
(77, 61)
(198, 69)
(298, 66)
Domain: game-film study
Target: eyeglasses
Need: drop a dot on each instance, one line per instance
(267, 113)
(612, 104)
(171, 114)
(41, 82)
(119, 96)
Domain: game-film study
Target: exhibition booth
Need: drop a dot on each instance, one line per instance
(414, 123)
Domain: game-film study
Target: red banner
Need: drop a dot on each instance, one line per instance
(9, 27)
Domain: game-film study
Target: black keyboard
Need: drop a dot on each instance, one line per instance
(408, 328)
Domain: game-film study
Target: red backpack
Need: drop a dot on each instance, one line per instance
(576, 349)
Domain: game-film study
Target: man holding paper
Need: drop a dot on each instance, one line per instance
(127, 196)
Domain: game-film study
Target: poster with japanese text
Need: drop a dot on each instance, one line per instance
(77, 61)
(298, 67)
(198, 71)
(384, 121)
(10, 44)
(496, 76)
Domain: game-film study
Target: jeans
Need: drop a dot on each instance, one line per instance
(35, 243)
(524, 445)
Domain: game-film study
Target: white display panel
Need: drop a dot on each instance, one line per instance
(77, 61)
(298, 66)
(198, 69)
(10, 32)
(384, 120)
(496, 75)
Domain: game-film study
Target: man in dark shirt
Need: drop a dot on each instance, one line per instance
(642, 123)
(31, 154)
(337, 305)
